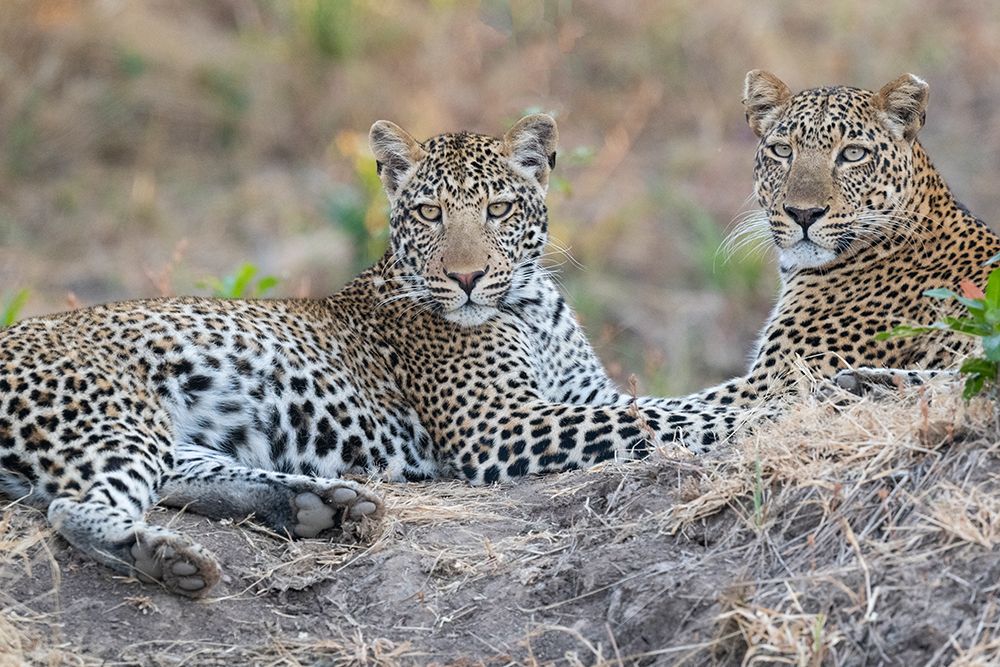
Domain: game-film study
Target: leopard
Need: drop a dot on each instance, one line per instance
(455, 355)
(863, 225)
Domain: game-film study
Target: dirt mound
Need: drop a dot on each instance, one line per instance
(863, 533)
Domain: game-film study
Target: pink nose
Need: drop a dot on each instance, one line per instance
(467, 281)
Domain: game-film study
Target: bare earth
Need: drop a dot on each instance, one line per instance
(864, 533)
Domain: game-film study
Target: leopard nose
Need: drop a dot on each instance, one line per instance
(467, 281)
(805, 217)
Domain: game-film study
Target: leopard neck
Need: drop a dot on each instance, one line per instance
(932, 207)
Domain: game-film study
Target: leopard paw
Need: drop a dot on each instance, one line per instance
(342, 509)
(182, 566)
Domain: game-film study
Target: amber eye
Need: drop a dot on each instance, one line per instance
(429, 212)
(781, 150)
(853, 153)
(499, 209)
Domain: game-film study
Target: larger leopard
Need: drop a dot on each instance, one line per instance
(455, 354)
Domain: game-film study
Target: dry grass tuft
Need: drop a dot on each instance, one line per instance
(780, 636)
(983, 654)
(971, 515)
(27, 636)
(836, 452)
(841, 494)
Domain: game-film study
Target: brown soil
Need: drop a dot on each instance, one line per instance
(872, 541)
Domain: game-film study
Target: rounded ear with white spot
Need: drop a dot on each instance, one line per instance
(531, 145)
(764, 98)
(396, 155)
(903, 105)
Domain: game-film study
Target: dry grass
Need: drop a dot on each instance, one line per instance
(27, 636)
(873, 529)
(850, 493)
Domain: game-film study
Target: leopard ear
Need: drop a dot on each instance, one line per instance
(531, 145)
(396, 155)
(764, 98)
(902, 104)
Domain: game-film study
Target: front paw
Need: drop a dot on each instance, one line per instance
(851, 381)
(858, 382)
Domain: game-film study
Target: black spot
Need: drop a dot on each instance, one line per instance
(518, 468)
(197, 383)
(233, 440)
(491, 475)
(352, 449)
(14, 464)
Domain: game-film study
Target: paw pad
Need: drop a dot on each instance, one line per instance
(182, 567)
(322, 510)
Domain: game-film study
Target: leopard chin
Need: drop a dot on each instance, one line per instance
(470, 315)
(804, 255)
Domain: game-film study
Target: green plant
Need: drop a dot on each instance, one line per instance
(581, 156)
(12, 308)
(231, 97)
(740, 272)
(981, 320)
(818, 644)
(130, 63)
(23, 136)
(360, 209)
(240, 284)
(330, 26)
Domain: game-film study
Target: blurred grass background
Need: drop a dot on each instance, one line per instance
(146, 147)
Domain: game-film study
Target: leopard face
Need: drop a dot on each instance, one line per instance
(468, 221)
(834, 165)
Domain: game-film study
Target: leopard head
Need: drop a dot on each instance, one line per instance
(468, 221)
(835, 165)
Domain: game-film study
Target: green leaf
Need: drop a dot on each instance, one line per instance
(266, 284)
(991, 346)
(241, 280)
(993, 289)
(976, 305)
(239, 284)
(12, 308)
(940, 293)
(979, 366)
(973, 386)
(905, 331)
(968, 326)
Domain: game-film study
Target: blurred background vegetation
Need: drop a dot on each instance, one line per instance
(165, 146)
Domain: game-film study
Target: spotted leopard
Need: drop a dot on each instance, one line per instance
(863, 224)
(454, 355)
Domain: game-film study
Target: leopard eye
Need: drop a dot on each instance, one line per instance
(853, 153)
(781, 150)
(429, 212)
(499, 209)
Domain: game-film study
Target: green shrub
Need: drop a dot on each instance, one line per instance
(240, 284)
(12, 308)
